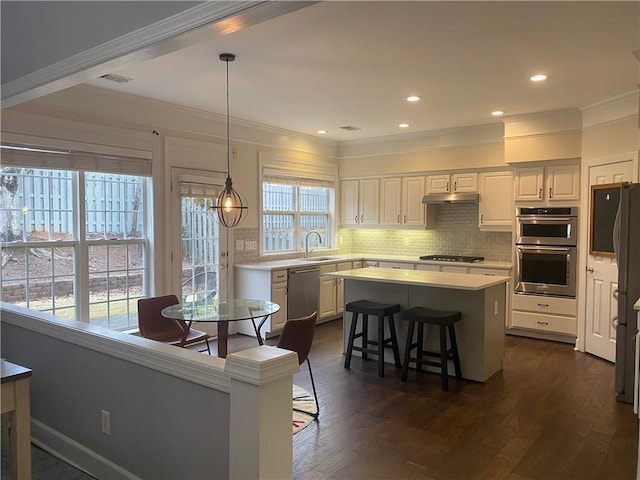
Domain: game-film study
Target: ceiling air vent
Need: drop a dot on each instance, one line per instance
(350, 128)
(112, 77)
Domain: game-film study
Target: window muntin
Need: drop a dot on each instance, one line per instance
(291, 211)
(39, 209)
(200, 245)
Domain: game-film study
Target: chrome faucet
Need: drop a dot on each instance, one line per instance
(306, 242)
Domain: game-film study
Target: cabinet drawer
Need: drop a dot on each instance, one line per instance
(324, 269)
(452, 269)
(546, 323)
(428, 267)
(344, 266)
(491, 272)
(278, 276)
(549, 305)
(402, 266)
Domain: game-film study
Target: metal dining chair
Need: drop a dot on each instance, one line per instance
(297, 336)
(154, 326)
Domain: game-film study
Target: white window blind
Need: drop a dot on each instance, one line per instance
(54, 159)
(286, 172)
(200, 187)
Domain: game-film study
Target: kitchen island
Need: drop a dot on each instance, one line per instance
(480, 298)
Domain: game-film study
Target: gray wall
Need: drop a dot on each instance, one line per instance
(38, 34)
(161, 426)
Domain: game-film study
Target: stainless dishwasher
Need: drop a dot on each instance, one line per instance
(303, 286)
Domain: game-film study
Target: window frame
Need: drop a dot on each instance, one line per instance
(81, 244)
(298, 174)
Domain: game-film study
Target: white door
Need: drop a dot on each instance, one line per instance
(199, 244)
(602, 274)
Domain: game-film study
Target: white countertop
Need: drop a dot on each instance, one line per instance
(459, 281)
(298, 262)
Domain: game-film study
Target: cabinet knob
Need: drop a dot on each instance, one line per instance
(447, 186)
(590, 269)
(543, 305)
(455, 186)
(356, 219)
(405, 219)
(398, 220)
(361, 218)
(550, 192)
(482, 218)
(540, 194)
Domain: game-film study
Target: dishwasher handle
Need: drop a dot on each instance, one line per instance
(306, 270)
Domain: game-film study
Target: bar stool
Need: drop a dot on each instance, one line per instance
(445, 321)
(382, 311)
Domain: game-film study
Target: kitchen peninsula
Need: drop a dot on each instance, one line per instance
(480, 298)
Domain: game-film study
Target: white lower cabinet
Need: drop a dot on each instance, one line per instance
(545, 314)
(332, 289)
(268, 285)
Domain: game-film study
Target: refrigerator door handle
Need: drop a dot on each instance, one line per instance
(616, 235)
(614, 322)
(615, 293)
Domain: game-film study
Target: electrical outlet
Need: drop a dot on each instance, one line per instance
(239, 245)
(251, 245)
(106, 422)
(406, 241)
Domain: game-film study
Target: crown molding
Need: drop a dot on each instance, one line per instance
(610, 110)
(170, 34)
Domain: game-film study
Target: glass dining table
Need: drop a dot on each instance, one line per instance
(222, 312)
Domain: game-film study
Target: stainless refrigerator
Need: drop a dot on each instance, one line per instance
(627, 250)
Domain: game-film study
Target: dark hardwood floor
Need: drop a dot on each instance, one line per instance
(551, 414)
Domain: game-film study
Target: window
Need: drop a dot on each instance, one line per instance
(74, 243)
(296, 200)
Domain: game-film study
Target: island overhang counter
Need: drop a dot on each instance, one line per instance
(481, 299)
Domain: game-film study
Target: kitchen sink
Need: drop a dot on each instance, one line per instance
(316, 259)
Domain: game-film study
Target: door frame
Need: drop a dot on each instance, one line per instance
(583, 237)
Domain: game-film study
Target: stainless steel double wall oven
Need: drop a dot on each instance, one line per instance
(546, 253)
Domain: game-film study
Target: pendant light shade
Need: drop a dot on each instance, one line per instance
(230, 205)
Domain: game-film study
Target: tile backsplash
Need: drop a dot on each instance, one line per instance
(455, 232)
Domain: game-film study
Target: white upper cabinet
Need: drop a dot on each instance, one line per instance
(360, 201)
(413, 210)
(401, 201)
(563, 182)
(552, 183)
(456, 182)
(391, 201)
(496, 207)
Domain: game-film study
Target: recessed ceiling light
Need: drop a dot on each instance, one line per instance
(321, 132)
(540, 77)
(413, 98)
(497, 113)
(403, 125)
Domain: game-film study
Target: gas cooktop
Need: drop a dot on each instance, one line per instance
(452, 258)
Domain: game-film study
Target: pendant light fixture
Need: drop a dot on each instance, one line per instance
(230, 205)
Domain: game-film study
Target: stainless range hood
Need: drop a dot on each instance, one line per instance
(440, 198)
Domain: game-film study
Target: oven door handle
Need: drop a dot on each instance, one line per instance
(538, 249)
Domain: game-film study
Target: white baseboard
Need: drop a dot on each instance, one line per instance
(76, 454)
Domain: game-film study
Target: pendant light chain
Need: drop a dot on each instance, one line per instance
(228, 126)
(230, 205)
